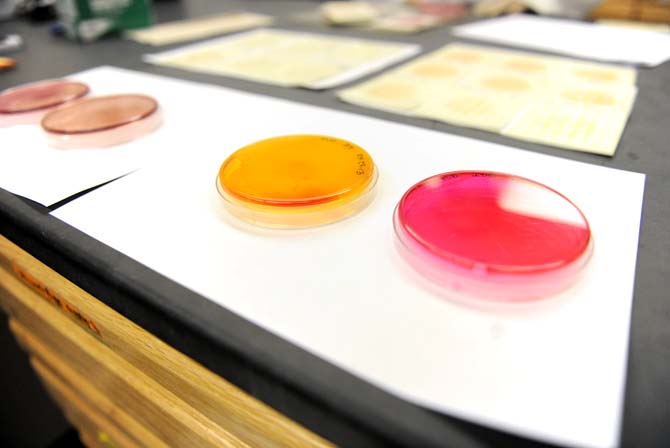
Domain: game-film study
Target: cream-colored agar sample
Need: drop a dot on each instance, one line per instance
(594, 97)
(433, 70)
(571, 125)
(184, 30)
(473, 108)
(463, 56)
(348, 12)
(515, 93)
(597, 75)
(506, 84)
(286, 58)
(525, 65)
(393, 93)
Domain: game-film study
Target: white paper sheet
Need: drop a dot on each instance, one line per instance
(587, 40)
(554, 372)
(33, 169)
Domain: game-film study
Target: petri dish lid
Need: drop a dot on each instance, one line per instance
(7, 63)
(40, 95)
(297, 181)
(493, 235)
(99, 114)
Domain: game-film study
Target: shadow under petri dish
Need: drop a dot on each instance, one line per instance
(28, 103)
(102, 121)
(297, 181)
(492, 236)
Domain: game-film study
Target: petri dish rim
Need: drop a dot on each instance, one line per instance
(281, 211)
(153, 109)
(270, 217)
(583, 253)
(85, 90)
(294, 202)
(297, 205)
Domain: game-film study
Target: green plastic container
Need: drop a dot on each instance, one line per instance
(87, 20)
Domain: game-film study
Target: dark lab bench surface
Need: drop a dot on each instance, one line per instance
(322, 398)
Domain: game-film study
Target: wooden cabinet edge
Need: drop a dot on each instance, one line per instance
(216, 398)
(169, 417)
(79, 391)
(80, 414)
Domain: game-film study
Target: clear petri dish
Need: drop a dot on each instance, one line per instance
(7, 63)
(102, 121)
(297, 181)
(492, 236)
(28, 103)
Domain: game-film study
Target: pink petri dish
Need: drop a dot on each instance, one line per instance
(28, 103)
(492, 236)
(102, 121)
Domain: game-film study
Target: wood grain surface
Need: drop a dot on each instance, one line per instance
(176, 399)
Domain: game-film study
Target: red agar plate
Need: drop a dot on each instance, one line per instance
(27, 104)
(492, 235)
(102, 121)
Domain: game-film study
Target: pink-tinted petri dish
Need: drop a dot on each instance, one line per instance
(102, 121)
(28, 103)
(492, 236)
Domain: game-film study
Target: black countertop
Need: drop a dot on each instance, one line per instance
(272, 369)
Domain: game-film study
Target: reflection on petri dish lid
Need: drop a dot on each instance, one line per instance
(492, 236)
(28, 103)
(297, 181)
(102, 121)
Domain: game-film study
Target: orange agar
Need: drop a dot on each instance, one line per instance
(297, 181)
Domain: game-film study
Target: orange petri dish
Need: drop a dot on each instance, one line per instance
(7, 63)
(297, 181)
(27, 104)
(102, 121)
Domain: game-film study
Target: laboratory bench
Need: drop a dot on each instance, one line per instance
(135, 359)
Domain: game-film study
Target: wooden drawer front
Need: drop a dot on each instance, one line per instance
(172, 420)
(79, 394)
(100, 433)
(655, 11)
(614, 9)
(240, 417)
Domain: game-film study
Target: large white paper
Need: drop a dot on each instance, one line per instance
(587, 40)
(31, 168)
(554, 371)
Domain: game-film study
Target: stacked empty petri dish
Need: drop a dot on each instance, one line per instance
(102, 121)
(297, 181)
(492, 236)
(28, 103)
